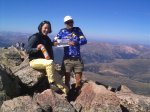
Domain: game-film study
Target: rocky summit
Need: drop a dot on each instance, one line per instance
(23, 89)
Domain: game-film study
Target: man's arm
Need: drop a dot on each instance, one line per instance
(80, 38)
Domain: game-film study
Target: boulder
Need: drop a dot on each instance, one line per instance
(27, 75)
(9, 86)
(131, 102)
(30, 80)
(56, 101)
(96, 98)
(10, 57)
(21, 104)
(124, 89)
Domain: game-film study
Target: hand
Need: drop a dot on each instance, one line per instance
(71, 43)
(39, 46)
(56, 43)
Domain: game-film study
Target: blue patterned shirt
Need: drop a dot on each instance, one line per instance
(75, 34)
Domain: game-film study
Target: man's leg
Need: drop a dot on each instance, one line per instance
(78, 77)
(67, 68)
(78, 68)
(67, 79)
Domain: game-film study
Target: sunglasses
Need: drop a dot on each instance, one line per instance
(69, 22)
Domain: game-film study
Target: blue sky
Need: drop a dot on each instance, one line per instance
(127, 20)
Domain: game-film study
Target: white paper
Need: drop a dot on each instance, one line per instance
(63, 42)
(62, 45)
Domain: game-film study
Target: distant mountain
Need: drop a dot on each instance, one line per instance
(115, 80)
(134, 69)
(107, 52)
(10, 38)
(115, 64)
(97, 52)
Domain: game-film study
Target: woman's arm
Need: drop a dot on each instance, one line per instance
(32, 45)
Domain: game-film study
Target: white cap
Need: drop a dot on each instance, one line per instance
(67, 18)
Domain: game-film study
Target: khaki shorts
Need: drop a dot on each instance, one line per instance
(72, 64)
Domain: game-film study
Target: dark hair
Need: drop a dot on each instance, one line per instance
(42, 23)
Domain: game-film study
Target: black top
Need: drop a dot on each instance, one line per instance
(36, 39)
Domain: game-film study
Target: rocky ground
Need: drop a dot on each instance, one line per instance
(23, 89)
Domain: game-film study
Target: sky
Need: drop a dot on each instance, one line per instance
(125, 20)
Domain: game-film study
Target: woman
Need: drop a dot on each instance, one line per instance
(36, 57)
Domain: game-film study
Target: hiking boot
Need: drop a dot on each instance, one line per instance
(77, 90)
(53, 86)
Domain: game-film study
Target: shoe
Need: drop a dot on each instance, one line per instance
(53, 86)
(77, 90)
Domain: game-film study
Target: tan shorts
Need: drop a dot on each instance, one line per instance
(72, 64)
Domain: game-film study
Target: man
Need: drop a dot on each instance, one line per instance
(72, 61)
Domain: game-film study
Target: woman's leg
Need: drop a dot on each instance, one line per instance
(59, 83)
(50, 70)
(44, 64)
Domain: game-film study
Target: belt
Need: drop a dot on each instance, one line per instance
(72, 58)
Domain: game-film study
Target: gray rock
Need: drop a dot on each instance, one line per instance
(30, 80)
(27, 75)
(124, 89)
(10, 57)
(20, 104)
(9, 87)
(133, 102)
(96, 98)
(56, 101)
